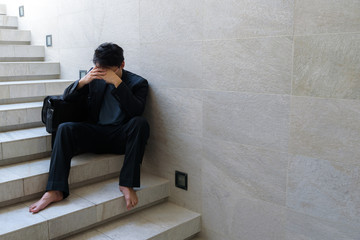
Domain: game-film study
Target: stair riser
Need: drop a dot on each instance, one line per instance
(15, 53)
(7, 22)
(28, 70)
(20, 118)
(9, 36)
(182, 231)
(27, 149)
(22, 59)
(29, 231)
(9, 93)
(2, 9)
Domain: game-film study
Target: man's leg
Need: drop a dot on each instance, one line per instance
(136, 135)
(71, 138)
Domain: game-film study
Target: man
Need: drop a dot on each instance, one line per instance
(115, 99)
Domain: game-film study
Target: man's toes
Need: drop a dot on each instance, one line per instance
(32, 207)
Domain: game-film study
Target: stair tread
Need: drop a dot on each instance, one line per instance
(8, 30)
(33, 62)
(23, 134)
(146, 224)
(34, 81)
(16, 106)
(20, 171)
(27, 178)
(23, 46)
(77, 205)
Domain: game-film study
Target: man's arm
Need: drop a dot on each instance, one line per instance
(132, 101)
(80, 87)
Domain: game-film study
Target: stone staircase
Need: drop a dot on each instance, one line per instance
(95, 208)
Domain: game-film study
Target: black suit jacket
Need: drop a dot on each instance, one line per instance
(131, 95)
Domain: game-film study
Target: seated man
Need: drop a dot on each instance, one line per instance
(115, 101)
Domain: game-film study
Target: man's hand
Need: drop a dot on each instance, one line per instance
(112, 77)
(95, 73)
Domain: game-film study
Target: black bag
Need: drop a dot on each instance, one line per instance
(56, 110)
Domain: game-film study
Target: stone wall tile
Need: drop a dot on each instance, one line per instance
(324, 189)
(227, 211)
(247, 18)
(262, 65)
(251, 119)
(258, 173)
(304, 227)
(325, 128)
(175, 110)
(326, 16)
(327, 66)
(176, 65)
(163, 20)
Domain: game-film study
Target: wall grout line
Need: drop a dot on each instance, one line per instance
(245, 38)
(290, 107)
(254, 93)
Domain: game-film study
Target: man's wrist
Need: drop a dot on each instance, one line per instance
(80, 84)
(117, 81)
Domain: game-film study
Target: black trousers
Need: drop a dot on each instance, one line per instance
(73, 138)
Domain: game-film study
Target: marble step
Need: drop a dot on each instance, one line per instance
(16, 53)
(22, 181)
(20, 115)
(23, 145)
(29, 70)
(85, 207)
(11, 36)
(8, 22)
(27, 91)
(161, 222)
(2, 9)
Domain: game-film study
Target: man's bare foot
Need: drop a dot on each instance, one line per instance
(47, 198)
(130, 197)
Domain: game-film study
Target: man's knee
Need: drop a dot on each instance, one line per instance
(141, 124)
(65, 127)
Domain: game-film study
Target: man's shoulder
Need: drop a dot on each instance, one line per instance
(133, 79)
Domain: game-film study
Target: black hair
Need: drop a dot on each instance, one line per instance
(108, 55)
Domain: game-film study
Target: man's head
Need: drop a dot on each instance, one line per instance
(109, 55)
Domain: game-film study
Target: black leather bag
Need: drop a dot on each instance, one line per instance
(56, 110)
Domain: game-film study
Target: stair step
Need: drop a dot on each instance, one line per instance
(27, 91)
(10, 36)
(29, 70)
(23, 180)
(2, 9)
(20, 115)
(15, 53)
(8, 22)
(23, 145)
(85, 207)
(163, 221)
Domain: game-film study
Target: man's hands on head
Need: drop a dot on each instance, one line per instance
(113, 76)
(109, 75)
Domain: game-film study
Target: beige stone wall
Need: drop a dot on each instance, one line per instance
(258, 101)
